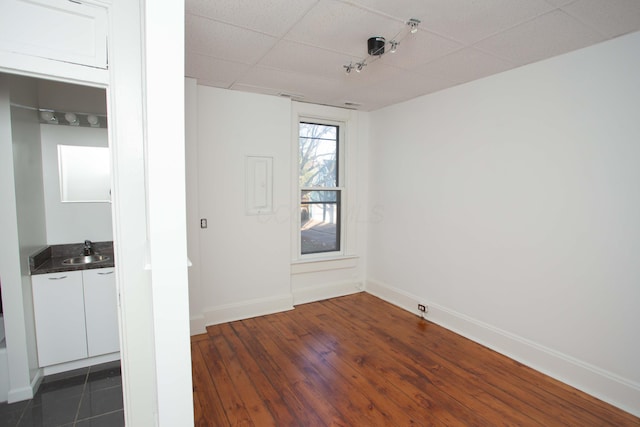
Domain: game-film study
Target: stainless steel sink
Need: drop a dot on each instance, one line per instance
(89, 259)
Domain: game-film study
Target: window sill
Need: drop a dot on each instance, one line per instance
(319, 264)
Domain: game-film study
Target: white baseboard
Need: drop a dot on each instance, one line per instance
(24, 393)
(247, 309)
(197, 325)
(4, 372)
(322, 292)
(604, 385)
(81, 363)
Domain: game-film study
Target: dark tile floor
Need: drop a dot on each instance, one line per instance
(85, 397)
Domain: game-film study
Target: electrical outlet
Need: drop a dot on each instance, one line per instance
(422, 308)
(203, 223)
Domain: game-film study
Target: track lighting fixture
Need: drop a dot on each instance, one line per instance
(376, 46)
(53, 117)
(413, 24)
(93, 120)
(48, 117)
(72, 119)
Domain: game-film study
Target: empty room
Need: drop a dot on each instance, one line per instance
(351, 212)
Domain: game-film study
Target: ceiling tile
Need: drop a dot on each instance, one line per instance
(342, 27)
(463, 20)
(546, 36)
(311, 87)
(419, 48)
(610, 17)
(403, 86)
(211, 71)
(273, 17)
(225, 41)
(559, 3)
(301, 58)
(465, 65)
(301, 46)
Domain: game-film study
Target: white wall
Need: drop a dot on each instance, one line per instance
(316, 279)
(18, 337)
(244, 259)
(71, 222)
(245, 265)
(27, 160)
(144, 382)
(510, 205)
(193, 211)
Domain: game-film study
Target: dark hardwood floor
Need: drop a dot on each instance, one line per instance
(359, 361)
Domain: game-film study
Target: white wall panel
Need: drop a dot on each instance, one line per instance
(243, 258)
(514, 202)
(71, 222)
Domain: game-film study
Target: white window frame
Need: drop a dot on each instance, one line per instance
(339, 187)
(345, 119)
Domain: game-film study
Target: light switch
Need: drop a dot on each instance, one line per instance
(203, 223)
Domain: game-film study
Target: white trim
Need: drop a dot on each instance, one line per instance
(24, 393)
(31, 66)
(247, 309)
(347, 120)
(326, 291)
(607, 386)
(81, 363)
(197, 325)
(318, 264)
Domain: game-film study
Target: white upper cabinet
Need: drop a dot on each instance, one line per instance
(64, 30)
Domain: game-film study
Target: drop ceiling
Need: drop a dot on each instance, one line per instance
(299, 48)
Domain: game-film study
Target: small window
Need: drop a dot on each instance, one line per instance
(320, 188)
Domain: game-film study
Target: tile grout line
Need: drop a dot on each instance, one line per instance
(84, 389)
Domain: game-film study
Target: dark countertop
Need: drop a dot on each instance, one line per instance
(49, 259)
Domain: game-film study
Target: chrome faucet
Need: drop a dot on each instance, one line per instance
(88, 248)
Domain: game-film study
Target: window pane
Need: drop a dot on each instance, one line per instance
(320, 221)
(318, 155)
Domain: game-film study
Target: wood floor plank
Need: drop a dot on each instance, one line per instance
(425, 375)
(302, 412)
(208, 408)
(269, 395)
(231, 401)
(350, 383)
(449, 378)
(359, 361)
(369, 375)
(342, 395)
(246, 391)
(291, 369)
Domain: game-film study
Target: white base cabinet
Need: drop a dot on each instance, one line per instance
(101, 311)
(75, 314)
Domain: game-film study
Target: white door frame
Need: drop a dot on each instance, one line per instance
(143, 89)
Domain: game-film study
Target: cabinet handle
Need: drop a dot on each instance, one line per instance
(57, 278)
(105, 273)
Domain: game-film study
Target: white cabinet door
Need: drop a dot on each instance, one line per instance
(64, 30)
(101, 311)
(59, 314)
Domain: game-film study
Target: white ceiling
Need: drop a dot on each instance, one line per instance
(299, 47)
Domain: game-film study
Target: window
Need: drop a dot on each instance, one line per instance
(319, 187)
